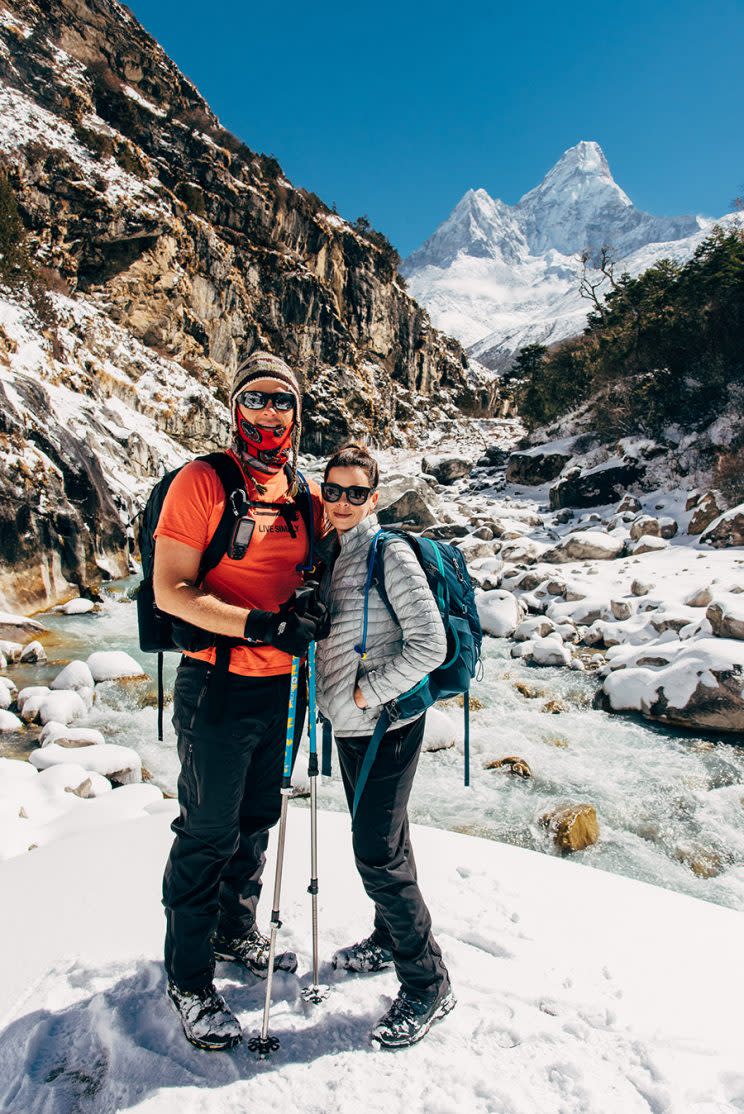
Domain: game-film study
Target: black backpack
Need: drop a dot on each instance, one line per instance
(160, 632)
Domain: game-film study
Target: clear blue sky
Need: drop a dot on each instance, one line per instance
(395, 109)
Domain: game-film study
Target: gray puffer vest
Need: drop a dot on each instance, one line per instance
(399, 653)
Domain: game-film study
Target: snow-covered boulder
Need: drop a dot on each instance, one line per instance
(647, 525)
(706, 510)
(9, 721)
(30, 699)
(527, 550)
(78, 606)
(72, 778)
(447, 469)
(548, 651)
(672, 616)
(649, 543)
(64, 736)
(641, 587)
(63, 706)
(726, 530)
(473, 548)
(121, 764)
(726, 616)
(11, 651)
(33, 654)
(19, 627)
(699, 597)
(76, 675)
(113, 665)
(8, 692)
(582, 612)
(537, 627)
(499, 612)
(622, 609)
(696, 683)
(585, 545)
(440, 731)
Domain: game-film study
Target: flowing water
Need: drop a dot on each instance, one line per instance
(670, 805)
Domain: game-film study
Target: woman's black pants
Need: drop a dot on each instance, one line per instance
(229, 797)
(384, 856)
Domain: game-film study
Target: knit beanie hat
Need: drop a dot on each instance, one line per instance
(264, 365)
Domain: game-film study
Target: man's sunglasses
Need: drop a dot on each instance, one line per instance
(256, 400)
(356, 494)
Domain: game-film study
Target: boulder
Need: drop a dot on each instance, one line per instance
(113, 665)
(411, 509)
(33, 654)
(29, 700)
(649, 543)
(512, 764)
(64, 736)
(594, 486)
(628, 503)
(699, 597)
(536, 466)
(700, 684)
(11, 650)
(447, 469)
(9, 721)
(444, 531)
(621, 609)
(585, 545)
(726, 530)
(706, 510)
(62, 707)
(573, 827)
(76, 675)
(499, 612)
(78, 606)
(117, 763)
(19, 627)
(534, 628)
(440, 731)
(726, 616)
(641, 587)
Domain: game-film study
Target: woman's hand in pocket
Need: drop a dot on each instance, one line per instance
(359, 698)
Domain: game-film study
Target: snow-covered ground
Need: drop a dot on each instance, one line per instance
(578, 992)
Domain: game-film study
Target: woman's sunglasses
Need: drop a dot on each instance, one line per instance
(256, 400)
(356, 495)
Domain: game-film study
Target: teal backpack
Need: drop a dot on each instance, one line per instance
(452, 588)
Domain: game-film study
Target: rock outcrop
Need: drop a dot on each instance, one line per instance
(164, 248)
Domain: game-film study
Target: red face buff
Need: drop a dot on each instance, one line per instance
(269, 447)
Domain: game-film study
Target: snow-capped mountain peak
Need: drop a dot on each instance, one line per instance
(498, 276)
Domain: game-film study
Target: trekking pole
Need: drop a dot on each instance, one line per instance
(315, 992)
(265, 1044)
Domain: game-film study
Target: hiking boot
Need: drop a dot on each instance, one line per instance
(366, 956)
(252, 950)
(411, 1017)
(207, 1020)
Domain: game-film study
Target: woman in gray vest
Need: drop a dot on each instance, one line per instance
(405, 641)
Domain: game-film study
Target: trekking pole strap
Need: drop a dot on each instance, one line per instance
(369, 757)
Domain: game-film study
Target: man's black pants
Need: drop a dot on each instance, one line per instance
(384, 856)
(229, 797)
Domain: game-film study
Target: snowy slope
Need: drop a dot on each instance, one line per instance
(498, 277)
(579, 992)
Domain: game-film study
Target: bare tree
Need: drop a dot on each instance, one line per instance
(594, 277)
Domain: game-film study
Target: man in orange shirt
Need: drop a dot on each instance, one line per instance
(231, 724)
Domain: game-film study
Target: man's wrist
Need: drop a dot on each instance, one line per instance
(256, 624)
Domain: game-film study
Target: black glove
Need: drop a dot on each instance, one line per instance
(286, 629)
(309, 604)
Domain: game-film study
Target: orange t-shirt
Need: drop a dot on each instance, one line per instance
(266, 576)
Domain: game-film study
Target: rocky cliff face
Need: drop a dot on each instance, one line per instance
(169, 248)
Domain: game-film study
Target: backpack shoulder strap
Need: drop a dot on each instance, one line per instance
(231, 478)
(305, 505)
